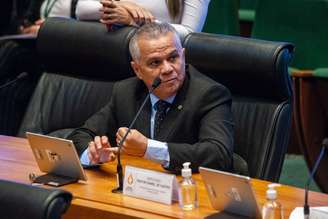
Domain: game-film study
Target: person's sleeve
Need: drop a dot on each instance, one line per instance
(158, 152)
(84, 158)
(88, 10)
(214, 145)
(193, 17)
(85, 161)
(99, 124)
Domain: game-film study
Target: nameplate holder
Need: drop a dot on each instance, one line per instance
(150, 185)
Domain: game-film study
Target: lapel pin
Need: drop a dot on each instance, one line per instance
(180, 107)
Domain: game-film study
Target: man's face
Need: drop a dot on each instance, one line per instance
(161, 57)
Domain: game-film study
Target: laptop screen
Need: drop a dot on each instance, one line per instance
(230, 193)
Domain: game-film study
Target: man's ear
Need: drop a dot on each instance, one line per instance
(136, 69)
(183, 57)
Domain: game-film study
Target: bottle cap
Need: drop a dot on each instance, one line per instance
(271, 193)
(186, 171)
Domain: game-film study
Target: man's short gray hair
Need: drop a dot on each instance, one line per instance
(150, 31)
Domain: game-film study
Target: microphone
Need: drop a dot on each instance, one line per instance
(119, 174)
(306, 209)
(17, 78)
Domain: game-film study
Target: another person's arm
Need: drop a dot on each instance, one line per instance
(193, 16)
(98, 10)
(31, 29)
(124, 13)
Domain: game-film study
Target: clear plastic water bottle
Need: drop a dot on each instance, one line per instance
(272, 209)
(188, 199)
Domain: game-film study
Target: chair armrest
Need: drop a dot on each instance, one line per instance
(321, 72)
(302, 73)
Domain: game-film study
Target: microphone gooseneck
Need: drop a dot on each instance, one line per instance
(119, 176)
(18, 77)
(306, 208)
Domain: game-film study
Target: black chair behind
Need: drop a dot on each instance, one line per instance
(80, 74)
(255, 71)
(25, 201)
(85, 48)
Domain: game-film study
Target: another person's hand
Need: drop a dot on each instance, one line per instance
(138, 13)
(135, 143)
(100, 150)
(33, 29)
(125, 13)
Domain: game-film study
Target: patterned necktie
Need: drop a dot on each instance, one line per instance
(161, 107)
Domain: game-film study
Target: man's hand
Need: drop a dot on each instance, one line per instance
(135, 143)
(126, 13)
(100, 150)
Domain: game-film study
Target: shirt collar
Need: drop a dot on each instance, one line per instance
(154, 99)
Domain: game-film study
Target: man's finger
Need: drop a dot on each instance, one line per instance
(121, 131)
(92, 152)
(104, 141)
(112, 156)
(118, 140)
(98, 144)
(113, 150)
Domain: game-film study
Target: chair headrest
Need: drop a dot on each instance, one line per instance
(19, 200)
(248, 67)
(85, 48)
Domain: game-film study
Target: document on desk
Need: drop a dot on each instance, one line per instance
(18, 36)
(315, 213)
(150, 185)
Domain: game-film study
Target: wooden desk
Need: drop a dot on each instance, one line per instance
(94, 199)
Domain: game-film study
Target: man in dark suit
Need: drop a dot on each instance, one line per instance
(194, 124)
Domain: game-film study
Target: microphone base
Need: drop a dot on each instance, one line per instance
(118, 190)
(119, 180)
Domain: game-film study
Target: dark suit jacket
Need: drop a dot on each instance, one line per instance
(198, 127)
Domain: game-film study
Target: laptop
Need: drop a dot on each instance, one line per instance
(230, 193)
(58, 158)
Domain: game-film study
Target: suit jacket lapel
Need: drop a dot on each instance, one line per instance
(169, 123)
(143, 122)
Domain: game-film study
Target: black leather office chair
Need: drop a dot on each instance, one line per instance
(80, 74)
(19, 201)
(255, 71)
